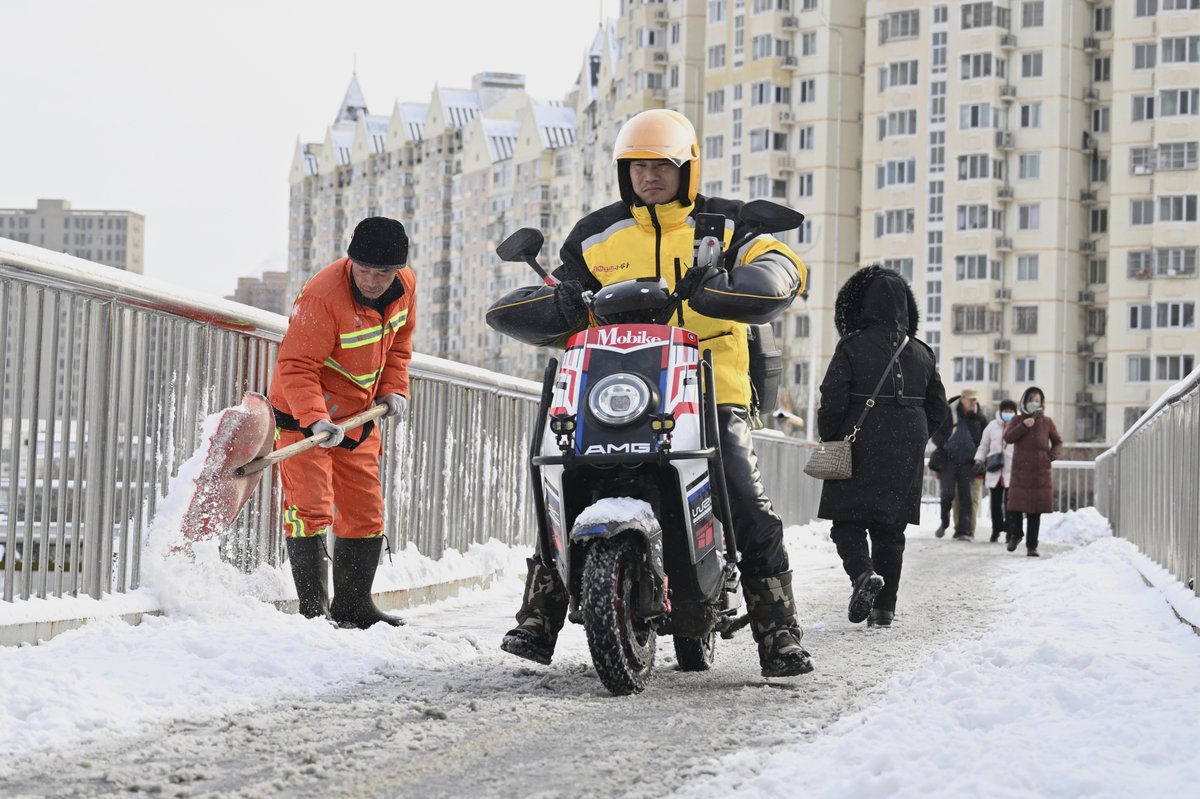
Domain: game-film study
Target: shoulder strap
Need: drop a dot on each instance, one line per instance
(878, 386)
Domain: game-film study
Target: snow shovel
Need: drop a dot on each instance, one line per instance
(240, 451)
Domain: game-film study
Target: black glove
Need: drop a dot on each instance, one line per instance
(568, 296)
(979, 467)
(692, 279)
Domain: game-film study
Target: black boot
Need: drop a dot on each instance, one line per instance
(1013, 540)
(541, 616)
(881, 617)
(866, 586)
(772, 612)
(354, 564)
(310, 574)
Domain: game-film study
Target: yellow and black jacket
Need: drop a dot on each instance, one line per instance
(622, 242)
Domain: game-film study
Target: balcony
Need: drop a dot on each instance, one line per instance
(789, 62)
(1087, 298)
(791, 24)
(1005, 140)
(1087, 197)
(1002, 345)
(1085, 348)
(1087, 245)
(1084, 398)
(1008, 92)
(1004, 244)
(1008, 41)
(1004, 295)
(1005, 193)
(1091, 45)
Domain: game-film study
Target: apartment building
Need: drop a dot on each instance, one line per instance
(270, 292)
(112, 238)
(1029, 166)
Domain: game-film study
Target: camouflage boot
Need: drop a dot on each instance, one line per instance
(540, 618)
(772, 612)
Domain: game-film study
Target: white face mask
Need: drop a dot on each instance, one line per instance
(1007, 416)
(1033, 405)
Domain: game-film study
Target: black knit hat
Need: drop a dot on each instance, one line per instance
(379, 243)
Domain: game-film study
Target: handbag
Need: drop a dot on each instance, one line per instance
(937, 460)
(995, 461)
(832, 460)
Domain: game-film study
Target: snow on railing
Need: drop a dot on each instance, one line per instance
(1148, 483)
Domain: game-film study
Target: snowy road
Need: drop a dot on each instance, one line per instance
(492, 727)
(1000, 678)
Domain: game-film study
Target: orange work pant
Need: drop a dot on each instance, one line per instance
(332, 488)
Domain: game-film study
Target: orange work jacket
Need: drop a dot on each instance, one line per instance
(338, 355)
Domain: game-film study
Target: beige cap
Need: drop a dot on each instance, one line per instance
(969, 393)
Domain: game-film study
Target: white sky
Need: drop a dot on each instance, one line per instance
(189, 114)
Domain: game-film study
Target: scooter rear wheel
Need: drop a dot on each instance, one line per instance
(622, 644)
(695, 654)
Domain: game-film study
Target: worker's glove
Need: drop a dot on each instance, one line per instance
(568, 296)
(708, 260)
(336, 432)
(396, 404)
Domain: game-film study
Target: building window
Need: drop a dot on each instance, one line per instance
(981, 65)
(899, 25)
(975, 115)
(937, 102)
(937, 151)
(1146, 8)
(803, 326)
(716, 56)
(937, 64)
(1177, 208)
(1143, 55)
(735, 172)
(1177, 155)
(1137, 368)
(1025, 319)
(1179, 102)
(903, 266)
(804, 184)
(1175, 314)
(898, 123)
(1033, 14)
(1141, 211)
(1143, 107)
(808, 43)
(737, 127)
(1031, 64)
(970, 267)
(1097, 271)
(1101, 69)
(895, 173)
(898, 73)
(1180, 50)
(806, 138)
(1029, 165)
(969, 370)
(1139, 316)
(805, 234)
(1175, 262)
(1027, 267)
(716, 11)
(983, 15)
(1100, 119)
(933, 300)
(1094, 372)
(1098, 221)
(937, 200)
(808, 90)
(1099, 170)
(715, 102)
(1024, 371)
(1029, 217)
(1102, 19)
(1173, 367)
(972, 217)
(894, 222)
(934, 339)
(1140, 264)
(1031, 115)
(1097, 320)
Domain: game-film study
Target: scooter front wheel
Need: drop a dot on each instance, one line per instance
(622, 643)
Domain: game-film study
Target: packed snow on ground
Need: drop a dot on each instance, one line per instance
(1087, 688)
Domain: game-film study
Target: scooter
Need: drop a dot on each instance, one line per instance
(629, 488)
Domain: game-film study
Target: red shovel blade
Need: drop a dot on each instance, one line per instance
(244, 432)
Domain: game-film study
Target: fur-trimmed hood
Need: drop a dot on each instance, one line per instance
(874, 295)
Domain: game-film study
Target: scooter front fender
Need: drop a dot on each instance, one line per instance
(645, 527)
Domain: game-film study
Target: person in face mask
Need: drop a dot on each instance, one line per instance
(995, 457)
(1036, 443)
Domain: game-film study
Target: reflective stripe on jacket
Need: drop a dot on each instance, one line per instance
(337, 354)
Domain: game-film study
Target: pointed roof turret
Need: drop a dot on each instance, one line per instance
(353, 105)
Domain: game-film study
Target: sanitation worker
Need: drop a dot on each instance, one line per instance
(347, 347)
(649, 232)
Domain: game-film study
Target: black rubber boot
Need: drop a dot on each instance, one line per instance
(880, 617)
(310, 574)
(541, 617)
(772, 612)
(354, 564)
(866, 587)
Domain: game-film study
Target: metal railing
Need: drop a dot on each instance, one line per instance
(1148, 483)
(1074, 481)
(108, 376)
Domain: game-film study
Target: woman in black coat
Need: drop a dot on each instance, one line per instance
(875, 310)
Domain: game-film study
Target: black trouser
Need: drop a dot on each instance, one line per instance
(885, 557)
(758, 530)
(958, 477)
(1016, 519)
(999, 523)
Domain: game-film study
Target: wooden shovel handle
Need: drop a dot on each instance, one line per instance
(258, 464)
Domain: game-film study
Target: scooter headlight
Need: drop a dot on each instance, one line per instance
(619, 399)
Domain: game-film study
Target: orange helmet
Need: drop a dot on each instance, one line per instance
(659, 133)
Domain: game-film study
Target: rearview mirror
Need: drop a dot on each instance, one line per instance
(524, 244)
(771, 217)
